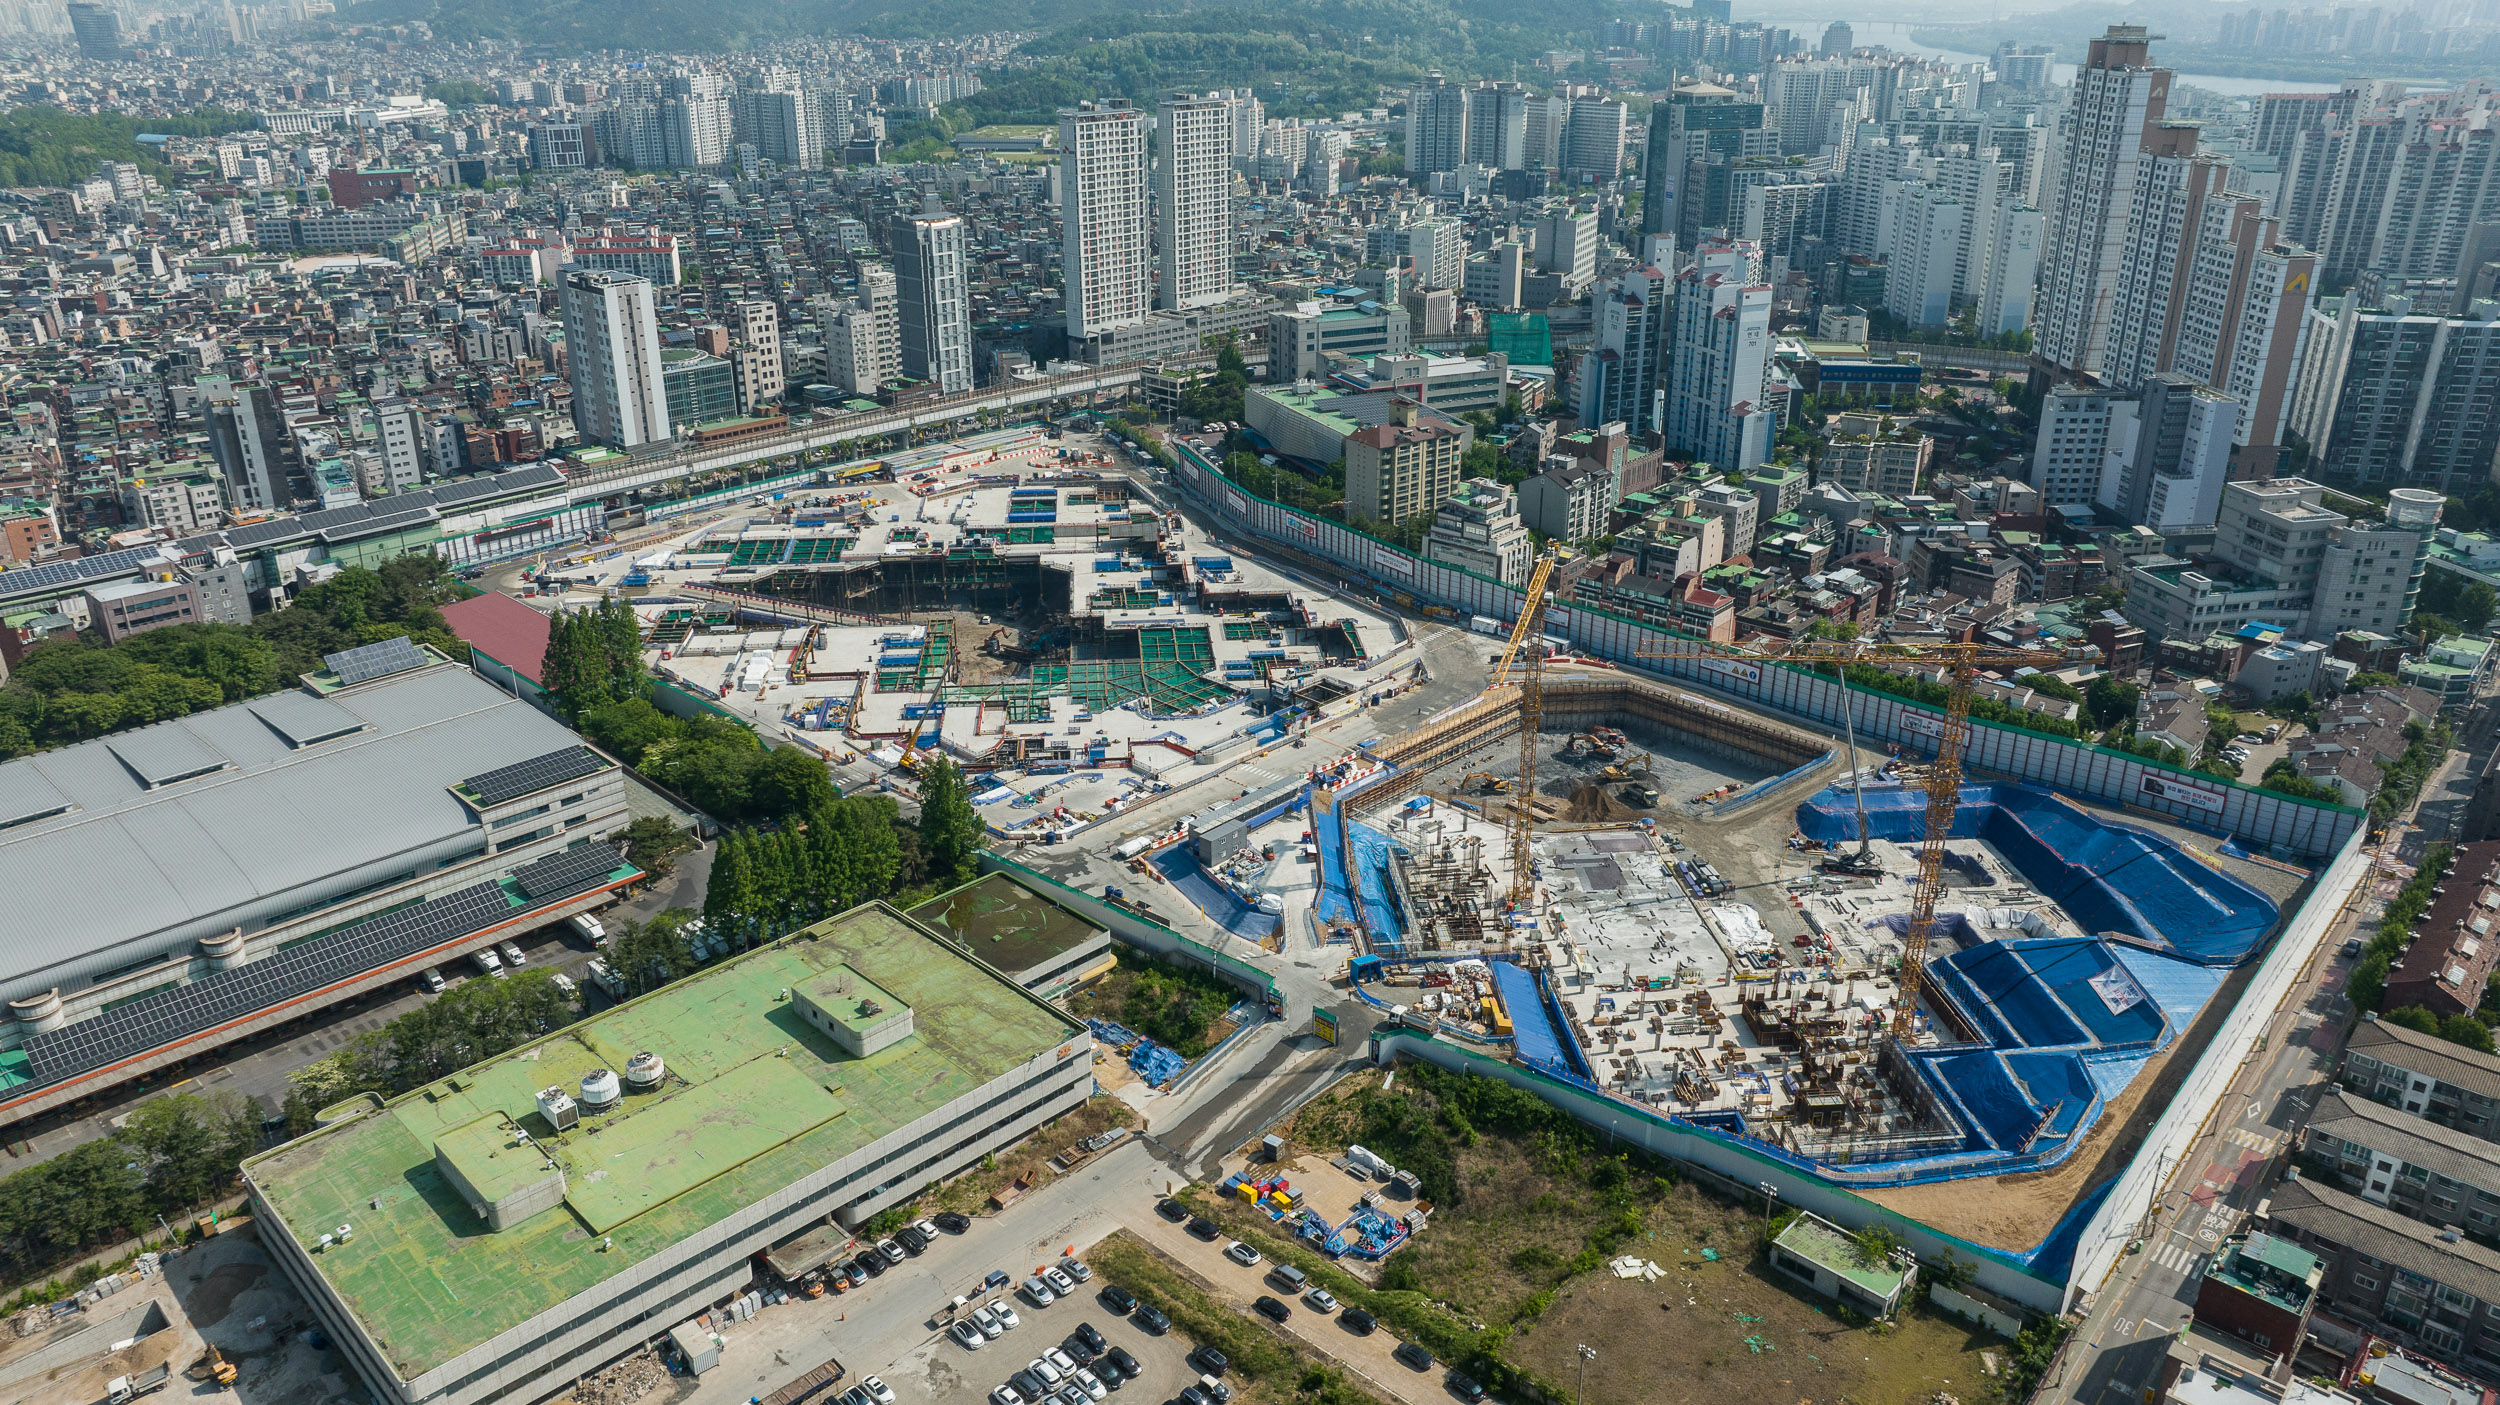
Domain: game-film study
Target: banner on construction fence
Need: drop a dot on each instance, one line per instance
(1324, 1024)
(2199, 795)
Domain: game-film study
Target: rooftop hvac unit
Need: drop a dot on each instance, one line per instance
(558, 1108)
(644, 1071)
(600, 1090)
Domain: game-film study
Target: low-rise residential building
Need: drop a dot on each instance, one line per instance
(1569, 501)
(1478, 529)
(1872, 454)
(2391, 1157)
(2395, 1276)
(2433, 1078)
(1396, 470)
(2454, 943)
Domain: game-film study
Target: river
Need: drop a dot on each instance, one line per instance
(1897, 37)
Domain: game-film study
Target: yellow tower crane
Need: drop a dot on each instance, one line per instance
(1530, 630)
(1961, 664)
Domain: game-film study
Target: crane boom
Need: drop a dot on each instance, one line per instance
(1961, 664)
(1531, 622)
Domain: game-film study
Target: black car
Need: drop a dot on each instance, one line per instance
(1464, 1387)
(953, 1223)
(874, 1264)
(1078, 1351)
(1211, 1360)
(1124, 1363)
(1357, 1321)
(1120, 1300)
(1413, 1355)
(1205, 1229)
(2352, 948)
(1151, 1320)
(913, 1241)
(1192, 1395)
(1033, 1387)
(1092, 1336)
(1271, 1309)
(1171, 1210)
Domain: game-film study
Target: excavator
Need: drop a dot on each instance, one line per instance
(1484, 783)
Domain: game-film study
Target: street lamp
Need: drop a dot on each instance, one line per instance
(1770, 1193)
(1587, 1355)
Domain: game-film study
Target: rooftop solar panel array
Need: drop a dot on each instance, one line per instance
(24, 579)
(367, 662)
(534, 775)
(136, 1028)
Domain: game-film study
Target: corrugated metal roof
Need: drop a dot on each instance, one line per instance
(130, 874)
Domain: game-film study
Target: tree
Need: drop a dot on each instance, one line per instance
(949, 828)
(189, 1146)
(2468, 1031)
(2431, 628)
(2367, 985)
(648, 955)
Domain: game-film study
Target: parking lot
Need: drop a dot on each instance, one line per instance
(941, 1372)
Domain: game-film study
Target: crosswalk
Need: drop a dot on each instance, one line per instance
(2178, 1257)
(2262, 1145)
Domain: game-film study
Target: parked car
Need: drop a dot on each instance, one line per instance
(968, 1336)
(1211, 1360)
(1289, 1278)
(1120, 1300)
(872, 1263)
(1320, 1300)
(2352, 948)
(1413, 1355)
(1171, 1210)
(987, 1321)
(432, 980)
(911, 1240)
(953, 1223)
(878, 1390)
(1077, 1269)
(1271, 1309)
(1357, 1321)
(1124, 1363)
(1241, 1253)
(1204, 1228)
(1037, 1292)
(996, 1279)
(1150, 1320)
(893, 1252)
(1464, 1387)
(928, 1230)
(1047, 1369)
(1006, 1314)
(1060, 1283)
(511, 953)
(1091, 1336)
(1090, 1383)
(1006, 1395)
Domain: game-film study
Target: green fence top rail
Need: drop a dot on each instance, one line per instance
(1671, 632)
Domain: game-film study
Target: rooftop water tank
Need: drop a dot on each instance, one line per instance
(600, 1090)
(644, 1071)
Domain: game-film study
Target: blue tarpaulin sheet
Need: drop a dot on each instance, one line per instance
(1540, 1040)
(1218, 902)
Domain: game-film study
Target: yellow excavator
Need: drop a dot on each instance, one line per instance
(1484, 783)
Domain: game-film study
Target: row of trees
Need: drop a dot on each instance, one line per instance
(716, 763)
(74, 688)
(173, 1156)
(2366, 987)
(473, 1021)
(594, 658)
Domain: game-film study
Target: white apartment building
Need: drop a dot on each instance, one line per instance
(1722, 323)
(1107, 265)
(756, 359)
(2118, 96)
(933, 307)
(1439, 248)
(2077, 426)
(1193, 201)
(612, 356)
(864, 341)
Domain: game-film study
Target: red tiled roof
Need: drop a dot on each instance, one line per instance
(509, 631)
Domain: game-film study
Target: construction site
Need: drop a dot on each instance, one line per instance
(1864, 965)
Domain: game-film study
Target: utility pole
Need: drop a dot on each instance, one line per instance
(1587, 1355)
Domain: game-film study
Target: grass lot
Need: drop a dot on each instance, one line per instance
(1271, 1366)
(1180, 1006)
(1509, 1278)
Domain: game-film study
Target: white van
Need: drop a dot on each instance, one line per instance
(590, 929)
(486, 961)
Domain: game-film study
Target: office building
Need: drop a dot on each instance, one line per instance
(612, 358)
(399, 433)
(1540, 147)
(97, 29)
(468, 809)
(2388, 398)
(1193, 201)
(1567, 246)
(1720, 354)
(248, 435)
(697, 386)
(606, 1182)
(1301, 341)
(1497, 126)
(933, 309)
(1495, 280)
(1477, 529)
(559, 146)
(1619, 378)
(1107, 266)
(1436, 126)
(2370, 578)
(1396, 470)
(1593, 139)
(864, 343)
(1700, 125)
(2119, 98)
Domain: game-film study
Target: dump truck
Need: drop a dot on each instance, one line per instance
(124, 1388)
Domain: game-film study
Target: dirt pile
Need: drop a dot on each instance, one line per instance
(1592, 803)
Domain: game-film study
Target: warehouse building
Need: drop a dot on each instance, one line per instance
(516, 1225)
(188, 884)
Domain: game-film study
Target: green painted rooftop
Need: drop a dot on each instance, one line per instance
(755, 1099)
(1810, 1238)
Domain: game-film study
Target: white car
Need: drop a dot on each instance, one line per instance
(987, 1323)
(969, 1335)
(1037, 1292)
(877, 1390)
(1060, 1359)
(1005, 1311)
(1094, 1388)
(1006, 1395)
(927, 1228)
(1060, 1283)
(1043, 1369)
(1077, 1269)
(512, 955)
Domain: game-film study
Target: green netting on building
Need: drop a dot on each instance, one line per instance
(1031, 534)
(932, 666)
(713, 546)
(1187, 647)
(1248, 629)
(766, 553)
(1167, 685)
(1124, 599)
(1525, 337)
(807, 551)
